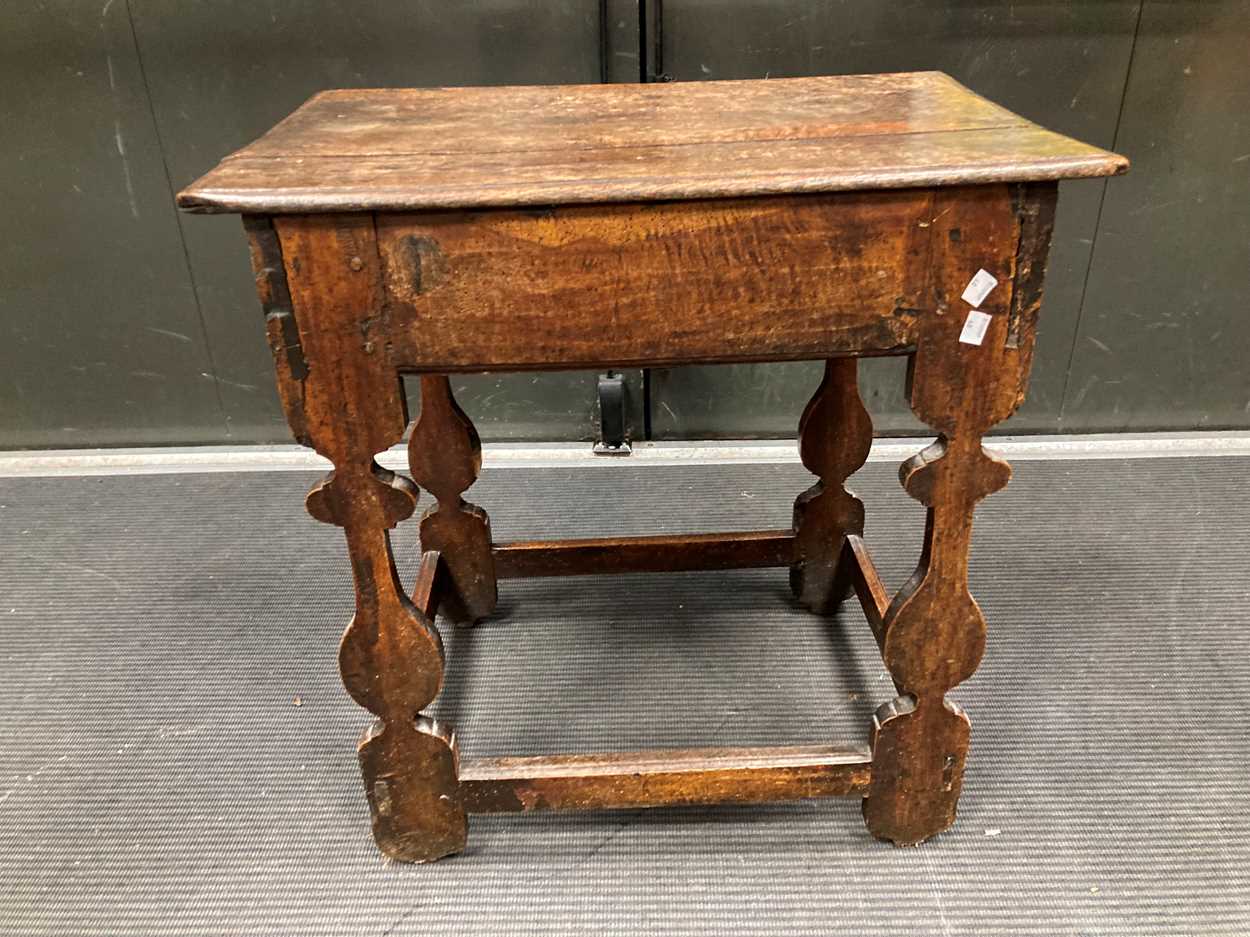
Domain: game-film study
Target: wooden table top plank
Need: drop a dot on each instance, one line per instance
(439, 148)
(466, 121)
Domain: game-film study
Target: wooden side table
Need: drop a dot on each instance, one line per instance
(496, 229)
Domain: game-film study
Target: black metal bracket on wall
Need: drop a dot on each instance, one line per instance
(613, 415)
(651, 42)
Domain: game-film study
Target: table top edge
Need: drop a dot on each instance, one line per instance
(204, 198)
(830, 143)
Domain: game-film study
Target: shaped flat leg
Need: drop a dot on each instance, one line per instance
(346, 401)
(934, 630)
(835, 434)
(445, 458)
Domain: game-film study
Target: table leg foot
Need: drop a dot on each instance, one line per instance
(410, 779)
(918, 752)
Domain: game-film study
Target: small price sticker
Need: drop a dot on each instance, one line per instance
(980, 286)
(974, 327)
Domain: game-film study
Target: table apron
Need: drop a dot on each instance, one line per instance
(581, 286)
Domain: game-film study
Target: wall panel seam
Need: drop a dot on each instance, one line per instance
(1093, 248)
(178, 220)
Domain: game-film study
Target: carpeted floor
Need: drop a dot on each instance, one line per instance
(177, 755)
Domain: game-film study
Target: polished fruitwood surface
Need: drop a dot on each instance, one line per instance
(414, 149)
(359, 287)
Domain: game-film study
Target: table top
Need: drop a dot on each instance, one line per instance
(404, 149)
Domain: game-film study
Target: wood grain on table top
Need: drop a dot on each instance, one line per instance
(413, 149)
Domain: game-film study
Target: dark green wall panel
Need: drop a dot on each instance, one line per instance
(1062, 64)
(100, 340)
(122, 323)
(221, 73)
(1165, 338)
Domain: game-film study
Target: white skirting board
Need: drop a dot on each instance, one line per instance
(191, 459)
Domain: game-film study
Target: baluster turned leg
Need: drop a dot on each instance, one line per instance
(835, 434)
(934, 630)
(345, 400)
(445, 458)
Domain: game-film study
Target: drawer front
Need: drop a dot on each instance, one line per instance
(736, 280)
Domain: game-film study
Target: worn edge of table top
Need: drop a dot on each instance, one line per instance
(464, 148)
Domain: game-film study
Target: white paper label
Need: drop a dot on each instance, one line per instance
(978, 288)
(974, 327)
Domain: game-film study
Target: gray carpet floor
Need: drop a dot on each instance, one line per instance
(177, 755)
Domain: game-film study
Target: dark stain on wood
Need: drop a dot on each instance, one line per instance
(1036, 206)
(269, 273)
(421, 261)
